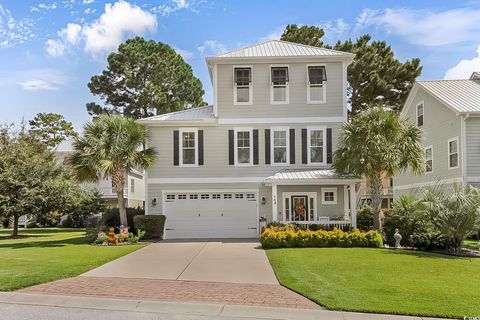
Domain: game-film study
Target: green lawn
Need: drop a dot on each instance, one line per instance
(471, 244)
(50, 254)
(381, 280)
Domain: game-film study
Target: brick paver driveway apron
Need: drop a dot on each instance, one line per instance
(228, 272)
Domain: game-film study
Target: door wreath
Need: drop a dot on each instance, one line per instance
(300, 210)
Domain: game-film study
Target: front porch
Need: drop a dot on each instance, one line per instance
(319, 197)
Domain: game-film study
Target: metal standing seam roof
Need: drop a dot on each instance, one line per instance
(461, 95)
(64, 146)
(278, 48)
(194, 114)
(314, 174)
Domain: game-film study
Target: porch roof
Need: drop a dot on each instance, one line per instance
(312, 176)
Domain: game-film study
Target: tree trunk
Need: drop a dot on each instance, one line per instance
(376, 188)
(15, 225)
(119, 182)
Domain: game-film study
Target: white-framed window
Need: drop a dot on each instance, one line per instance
(420, 113)
(279, 145)
(170, 197)
(243, 142)
(216, 196)
(182, 197)
(250, 195)
(316, 83)
(188, 147)
(453, 158)
(132, 185)
(329, 195)
(193, 196)
(429, 159)
(227, 196)
(239, 196)
(279, 84)
(205, 196)
(242, 85)
(316, 145)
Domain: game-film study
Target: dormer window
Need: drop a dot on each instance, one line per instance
(317, 76)
(242, 85)
(279, 85)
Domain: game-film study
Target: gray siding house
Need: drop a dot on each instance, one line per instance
(448, 111)
(261, 152)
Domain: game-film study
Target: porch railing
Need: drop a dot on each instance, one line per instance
(340, 224)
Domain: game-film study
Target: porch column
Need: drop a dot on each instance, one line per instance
(353, 205)
(346, 209)
(274, 203)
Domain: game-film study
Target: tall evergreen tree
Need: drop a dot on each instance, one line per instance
(51, 128)
(145, 78)
(375, 77)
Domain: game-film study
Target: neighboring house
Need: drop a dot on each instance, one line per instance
(448, 111)
(263, 151)
(365, 199)
(134, 191)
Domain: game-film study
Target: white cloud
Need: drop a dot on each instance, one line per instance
(465, 68)
(335, 30)
(90, 11)
(211, 47)
(184, 53)
(43, 7)
(54, 48)
(114, 24)
(175, 5)
(274, 35)
(107, 32)
(14, 31)
(42, 80)
(88, 1)
(425, 27)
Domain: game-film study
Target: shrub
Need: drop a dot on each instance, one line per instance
(68, 222)
(153, 225)
(454, 213)
(111, 217)
(409, 216)
(32, 223)
(307, 238)
(365, 219)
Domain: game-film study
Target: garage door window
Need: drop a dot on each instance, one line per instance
(193, 196)
(239, 196)
(250, 195)
(170, 197)
(216, 196)
(205, 196)
(227, 196)
(182, 196)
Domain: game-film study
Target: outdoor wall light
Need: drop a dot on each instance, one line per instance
(263, 199)
(154, 202)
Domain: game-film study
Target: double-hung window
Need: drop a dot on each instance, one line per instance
(453, 153)
(316, 143)
(317, 76)
(280, 145)
(188, 148)
(420, 112)
(329, 195)
(429, 159)
(243, 146)
(242, 85)
(279, 85)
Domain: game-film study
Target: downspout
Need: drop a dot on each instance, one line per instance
(463, 138)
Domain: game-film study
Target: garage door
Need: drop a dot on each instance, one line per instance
(210, 215)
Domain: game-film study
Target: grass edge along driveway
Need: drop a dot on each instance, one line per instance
(50, 254)
(381, 280)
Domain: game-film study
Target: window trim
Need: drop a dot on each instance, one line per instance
(272, 146)
(425, 150)
(250, 92)
(180, 147)
(309, 129)
(423, 113)
(235, 146)
(335, 195)
(458, 153)
(132, 185)
(324, 85)
(287, 85)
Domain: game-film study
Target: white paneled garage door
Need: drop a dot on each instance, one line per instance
(210, 215)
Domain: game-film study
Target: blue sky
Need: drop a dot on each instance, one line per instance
(50, 49)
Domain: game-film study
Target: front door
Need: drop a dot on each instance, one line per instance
(299, 208)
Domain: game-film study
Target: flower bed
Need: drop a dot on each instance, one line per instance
(291, 238)
(122, 238)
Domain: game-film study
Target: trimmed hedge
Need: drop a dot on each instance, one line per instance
(153, 225)
(307, 238)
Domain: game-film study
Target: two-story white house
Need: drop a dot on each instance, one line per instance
(262, 151)
(448, 112)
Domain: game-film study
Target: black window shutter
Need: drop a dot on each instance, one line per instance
(329, 145)
(200, 148)
(176, 149)
(231, 154)
(292, 146)
(255, 146)
(304, 146)
(267, 146)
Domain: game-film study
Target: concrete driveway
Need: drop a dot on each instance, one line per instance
(229, 261)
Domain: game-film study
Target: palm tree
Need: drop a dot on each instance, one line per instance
(376, 142)
(110, 147)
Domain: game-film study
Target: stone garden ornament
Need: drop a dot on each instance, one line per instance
(398, 238)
